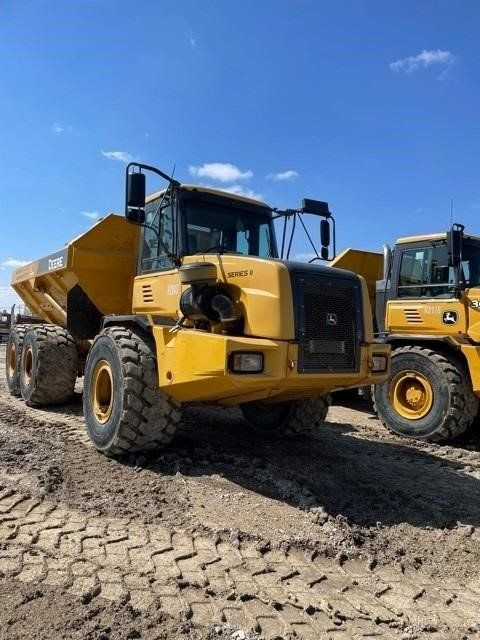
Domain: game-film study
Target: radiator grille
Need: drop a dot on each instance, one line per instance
(329, 316)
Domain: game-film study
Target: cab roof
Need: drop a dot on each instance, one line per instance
(218, 192)
(431, 237)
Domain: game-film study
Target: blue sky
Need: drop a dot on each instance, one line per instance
(372, 106)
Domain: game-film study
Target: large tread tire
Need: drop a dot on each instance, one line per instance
(13, 358)
(49, 365)
(454, 404)
(286, 418)
(138, 416)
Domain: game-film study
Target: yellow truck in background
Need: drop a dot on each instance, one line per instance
(185, 299)
(425, 296)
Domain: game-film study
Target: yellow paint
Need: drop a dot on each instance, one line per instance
(411, 395)
(368, 264)
(102, 260)
(414, 317)
(472, 355)
(102, 391)
(263, 296)
(192, 365)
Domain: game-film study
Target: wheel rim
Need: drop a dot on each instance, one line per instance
(102, 391)
(411, 395)
(12, 360)
(28, 365)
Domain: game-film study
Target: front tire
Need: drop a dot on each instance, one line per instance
(426, 396)
(286, 418)
(124, 409)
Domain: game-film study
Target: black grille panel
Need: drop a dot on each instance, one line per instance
(329, 322)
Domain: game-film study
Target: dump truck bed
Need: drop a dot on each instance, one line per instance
(90, 277)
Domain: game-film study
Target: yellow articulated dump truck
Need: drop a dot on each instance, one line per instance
(186, 300)
(426, 300)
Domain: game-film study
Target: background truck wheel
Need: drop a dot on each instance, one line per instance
(286, 418)
(48, 367)
(426, 396)
(13, 358)
(123, 407)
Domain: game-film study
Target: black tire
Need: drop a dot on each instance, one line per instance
(49, 364)
(286, 418)
(453, 405)
(124, 409)
(13, 358)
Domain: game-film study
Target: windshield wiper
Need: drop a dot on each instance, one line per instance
(221, 249)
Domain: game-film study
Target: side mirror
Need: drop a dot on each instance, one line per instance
(325, 234)
(454, 245)
(136, 190)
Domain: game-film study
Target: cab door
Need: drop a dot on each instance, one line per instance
(422, 299)
(156, 288)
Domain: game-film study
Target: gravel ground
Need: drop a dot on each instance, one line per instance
(348, 533)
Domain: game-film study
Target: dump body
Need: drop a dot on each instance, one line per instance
(89, 278)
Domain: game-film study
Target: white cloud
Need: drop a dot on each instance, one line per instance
(193, 42)
(120, 156)
(12, 263)
(240, 190)
(237, 189)
(93, 215)
(221, 171)
(423, 60)
(283, 176)
(61, 128)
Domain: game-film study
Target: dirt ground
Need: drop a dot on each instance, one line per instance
(349, 533)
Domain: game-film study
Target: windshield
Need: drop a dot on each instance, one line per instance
(213, 228)
(425, 271)
(471, 263)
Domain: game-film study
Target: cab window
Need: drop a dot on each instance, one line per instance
(212, 228)
(157, 245)
(425, 273)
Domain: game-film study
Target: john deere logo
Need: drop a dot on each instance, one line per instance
(449, 317)
(332, 319)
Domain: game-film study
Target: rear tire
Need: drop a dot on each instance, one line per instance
(48, 367)
(286, 418)
(426, 396)
(14, 357)
(124, 409)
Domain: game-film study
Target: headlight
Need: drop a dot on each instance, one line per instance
(379, 363)
(242, 362)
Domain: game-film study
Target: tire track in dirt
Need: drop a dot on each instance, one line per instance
(142, 537)
(212, 580)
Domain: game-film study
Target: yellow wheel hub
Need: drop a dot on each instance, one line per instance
(28, 365)
(411, 395)
(12, 360)
(102, 391)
